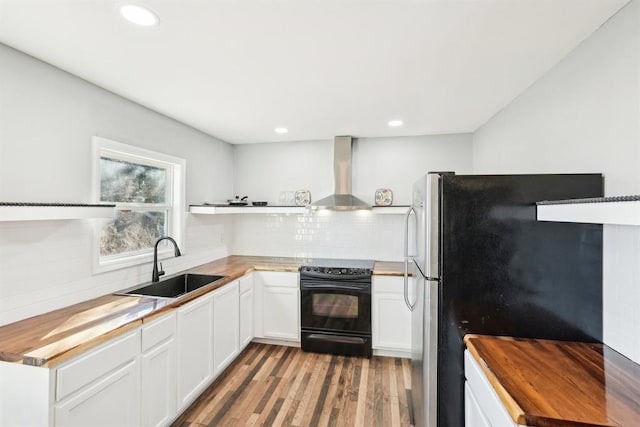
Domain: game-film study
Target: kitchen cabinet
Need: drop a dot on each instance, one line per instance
(246, 310)
(473, 415)
(226, 325)
(279, 312)
(390, 317)
(483, 407)
(145, 376)
(195, 349)
(158, 371)
(101, 387)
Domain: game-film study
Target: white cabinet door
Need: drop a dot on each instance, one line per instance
(158, 376)
(487, 402)
(246, 315)
(226, 326)
(281, 313)
(113, 400)
(195, 349)
(390, 316)
(391, 322)
(473, 416)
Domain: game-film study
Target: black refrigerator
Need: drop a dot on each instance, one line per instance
(481, 263)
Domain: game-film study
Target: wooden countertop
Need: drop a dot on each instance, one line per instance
(555, 383)
(51, 338)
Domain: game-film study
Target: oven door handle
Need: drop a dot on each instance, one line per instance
(334, 287)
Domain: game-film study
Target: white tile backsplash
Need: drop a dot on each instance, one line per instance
(326, 234)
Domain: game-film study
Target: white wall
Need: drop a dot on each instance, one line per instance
(584, 116)
(47, 119)
(264, 170)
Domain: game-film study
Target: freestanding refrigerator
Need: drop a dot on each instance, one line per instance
(482, 264)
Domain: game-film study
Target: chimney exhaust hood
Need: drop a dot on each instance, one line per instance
(342, 199)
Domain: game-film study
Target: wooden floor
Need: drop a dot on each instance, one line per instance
(282, 386)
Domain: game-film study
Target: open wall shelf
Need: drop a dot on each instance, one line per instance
(14, 211)
(220, 210)
(623, 210)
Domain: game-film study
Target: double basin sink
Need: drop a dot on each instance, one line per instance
(173, 287)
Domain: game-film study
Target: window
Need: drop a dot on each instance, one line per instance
(148, 191)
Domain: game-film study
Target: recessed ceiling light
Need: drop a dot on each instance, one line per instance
(281, 130)
(139, 15)
(395, 123)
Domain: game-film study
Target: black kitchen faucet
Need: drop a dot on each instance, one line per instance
(155, 276)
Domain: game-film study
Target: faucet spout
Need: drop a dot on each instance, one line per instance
(157, 272)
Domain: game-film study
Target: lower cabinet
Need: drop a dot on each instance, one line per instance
(158, 372)
(280, 305)
(101, 387)
(150, 374)
(473, 416)
(246, 310)
(195, 349)
(226, 326)
(390, 317)
(483, 407)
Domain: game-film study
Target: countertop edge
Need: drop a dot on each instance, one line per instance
(515, 411)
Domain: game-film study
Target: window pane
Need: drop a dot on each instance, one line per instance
(128, 182)
(132, 231)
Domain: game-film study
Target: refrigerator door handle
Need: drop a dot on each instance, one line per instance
(406, 259)
(406, 286)
(406, 231)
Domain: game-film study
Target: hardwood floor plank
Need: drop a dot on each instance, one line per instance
(361, 408)
(282, 386)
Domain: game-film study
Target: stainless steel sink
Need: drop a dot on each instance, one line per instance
(173, 287)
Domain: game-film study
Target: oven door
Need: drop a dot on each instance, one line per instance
(335, 307)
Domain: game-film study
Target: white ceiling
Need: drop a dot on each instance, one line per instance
(236, 69)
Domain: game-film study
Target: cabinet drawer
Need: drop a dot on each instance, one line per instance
(158, 331)
(389, 284)
(246, 283)
(96, 363)
(277, 278)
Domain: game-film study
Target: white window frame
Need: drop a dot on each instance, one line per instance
(176, 206)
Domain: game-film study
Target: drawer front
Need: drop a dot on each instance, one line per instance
(96, 363)
(484, 394)
(277, 278)
(389, 284)
(158, 331)
(246, 283)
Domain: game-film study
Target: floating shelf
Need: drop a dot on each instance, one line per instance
(11, 211)
(221, 210)
(624, 210)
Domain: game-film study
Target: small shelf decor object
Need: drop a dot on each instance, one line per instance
(383, 197)
(619, 210)
(29, 211)
(302, 197)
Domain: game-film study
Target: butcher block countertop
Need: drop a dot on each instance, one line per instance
(555, 383)
(51, 338)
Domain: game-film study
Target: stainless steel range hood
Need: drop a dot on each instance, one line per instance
(342, 199)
